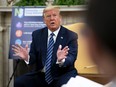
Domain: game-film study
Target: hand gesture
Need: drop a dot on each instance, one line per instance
(62, 53)
(20, 51)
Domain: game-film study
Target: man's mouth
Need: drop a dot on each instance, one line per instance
(52, 23)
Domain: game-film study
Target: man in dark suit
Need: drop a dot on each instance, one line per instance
(53, 50)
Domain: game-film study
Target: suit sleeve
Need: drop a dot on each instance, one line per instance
(73, 49)
(32, 52)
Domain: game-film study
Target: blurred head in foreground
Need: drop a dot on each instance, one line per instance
(101, 34)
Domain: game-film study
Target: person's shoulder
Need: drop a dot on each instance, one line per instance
(38, 31)
(69, 32)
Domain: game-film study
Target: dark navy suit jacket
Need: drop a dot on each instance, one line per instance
(38, 52)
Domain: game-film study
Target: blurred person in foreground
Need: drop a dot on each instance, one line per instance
(53, 50)
(100, 35)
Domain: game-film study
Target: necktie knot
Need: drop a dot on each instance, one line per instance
(52, 34)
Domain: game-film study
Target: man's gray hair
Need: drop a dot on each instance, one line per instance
(50, 8)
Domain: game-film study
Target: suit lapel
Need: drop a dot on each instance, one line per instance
(44, 38)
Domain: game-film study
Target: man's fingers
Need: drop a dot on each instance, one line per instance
(15, 50)
(66, 53)
(19, 46)
(65, 48)
(15, 47)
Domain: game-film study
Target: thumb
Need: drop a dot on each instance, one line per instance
(60, 47)
(26, 46)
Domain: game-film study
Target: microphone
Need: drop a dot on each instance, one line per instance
(17, 62)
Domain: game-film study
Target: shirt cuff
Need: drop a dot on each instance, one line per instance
(60, 63)
(27, 62)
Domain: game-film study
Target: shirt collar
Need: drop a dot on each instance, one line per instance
(55, 32)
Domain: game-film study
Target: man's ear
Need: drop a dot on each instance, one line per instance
(44, 20)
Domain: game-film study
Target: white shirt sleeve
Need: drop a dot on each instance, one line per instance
(27, 62)
(60, 63)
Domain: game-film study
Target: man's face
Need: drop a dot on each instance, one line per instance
(52, 19)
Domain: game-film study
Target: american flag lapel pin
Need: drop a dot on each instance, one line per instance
(61, 37)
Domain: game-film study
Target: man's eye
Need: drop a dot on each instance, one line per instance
(48, 16)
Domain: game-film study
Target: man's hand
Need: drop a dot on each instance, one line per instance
(62, 53)
(20, 51)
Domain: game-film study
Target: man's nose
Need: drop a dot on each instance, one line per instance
(52, 17)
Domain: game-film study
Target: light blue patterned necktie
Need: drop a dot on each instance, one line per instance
(48, 76)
